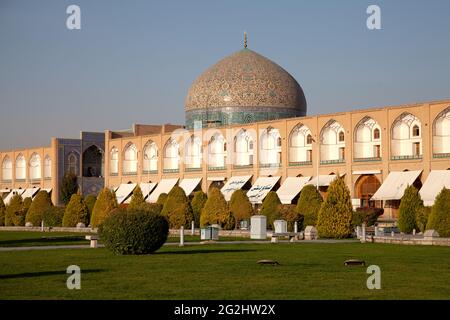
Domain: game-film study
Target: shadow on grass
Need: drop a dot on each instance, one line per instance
(43, 274)
(204, 251)
(43, 240)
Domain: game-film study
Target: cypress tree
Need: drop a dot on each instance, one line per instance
(215, 210)
(76, 212)
(2, 212)
(14, 211)
(240, 207)
(162, 199)
(270, 208)
(289, 213)
(308, 205)
(411, 206)
(137, 199)
(177, 209)
(39, 205)
(69, 186)
(106, 202)
(335, 215)
(197, 204)
(90, 203)
(440, 214)
(27, 204)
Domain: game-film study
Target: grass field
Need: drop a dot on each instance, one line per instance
(227, 271)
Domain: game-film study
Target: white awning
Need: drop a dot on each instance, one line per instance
(30, 193)
(324, 180)
(261, 188)
(188, 185)
(124, 191)
(290, 188)
(216, 179)
(12, 194)
(436, 181)
(5, 190)
(164, 186)
(146, 188)
(233, 184)
(367, 172)
(395, 184)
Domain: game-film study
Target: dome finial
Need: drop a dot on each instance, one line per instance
(245, 39)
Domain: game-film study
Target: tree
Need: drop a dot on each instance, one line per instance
(40, 204)
(69, 186)
(308, 205)
(422, 218)
(106, 202)
(76, 212)
(411, 206)
(289, 213)
(270, 208)
(440, 214)
(2, 212)
(177, 208)
(26, 205)
(335, 215)
(240, 206)
(215, 210)
(197, 204)
(162, 198)
(137, 199)
(14, 212)
(90, 203)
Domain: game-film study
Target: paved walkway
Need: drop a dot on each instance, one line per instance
(2, 249)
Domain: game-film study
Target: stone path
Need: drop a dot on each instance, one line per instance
(3, 249)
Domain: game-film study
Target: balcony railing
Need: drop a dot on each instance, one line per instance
(270, 165)
(410, 157)
(371, 159)
(246, 166)
(130, 173)
(300, 163)
(217, 168)
(192, 169)
(335, 161)
(113, 174)
(441, 155)
(171, 170)
(149, 171)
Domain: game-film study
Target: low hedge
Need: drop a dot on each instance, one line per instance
(134, 232)
(366, 215)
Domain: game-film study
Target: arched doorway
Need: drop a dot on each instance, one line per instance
(365, 188)
(93, 162)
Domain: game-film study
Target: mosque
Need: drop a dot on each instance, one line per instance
(247, 128)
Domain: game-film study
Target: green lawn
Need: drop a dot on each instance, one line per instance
(227, 271)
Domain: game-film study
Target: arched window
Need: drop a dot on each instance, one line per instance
(270, 151)
(171, 156)
(243, 149)
(150, 164)
(130, 159)
(114, 161)
(193, 153)
(332, 143)
(47, 167)
(441, 134)
(217, 148)
(72, 163)
(7, 169)
(309, 139)
(21, 167)
(300, 145)
(376, 134)
(406, 140)
(35, 167)
(341, 136)
(367, 143)
(93, 162)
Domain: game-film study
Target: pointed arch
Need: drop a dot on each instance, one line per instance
(171, 156)
(367, 140)
(300, 145)
(35, 167)
(406, 142)
(441, 134)
(243, 148)
(114, 161)
(332, 143)
(7, 169)
(217, 150)
(150, 151)
(193, 153)
(21, 167)
(130, 159)
(270, 147)
(47, 167)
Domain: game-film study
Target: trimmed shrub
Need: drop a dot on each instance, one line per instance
(240, 206)
(308, 205)
(134, 232)
(151, 207)
(215, 210)
(270, 208)
(410, 206)
(440, 214)
(366, 215)
(422, 218)
(197, 204)
(177, 209)
(289, 213)
(39, 205)
(106, 202)
(137, 199)
(90, 203)
(162, 199)
(15, 216)
(27, 204)
(76, 212)
(69, 186)
(2, 212)
(53, 216)
(335, 215)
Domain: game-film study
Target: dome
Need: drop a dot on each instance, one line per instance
(241, 88)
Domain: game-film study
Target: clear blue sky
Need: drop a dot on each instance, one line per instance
(133, 61)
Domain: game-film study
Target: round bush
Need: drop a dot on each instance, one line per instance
(134, 232)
